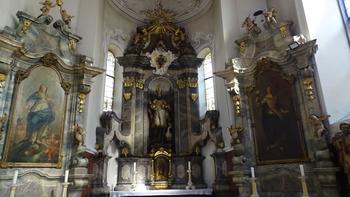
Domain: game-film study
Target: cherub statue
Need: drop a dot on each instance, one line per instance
(270, 16)
(235, 132)
(319, 128)
(250, 25)
(79, 135)
(47, 5)
(67, 19)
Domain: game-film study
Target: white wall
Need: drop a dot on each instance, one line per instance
(333, 57)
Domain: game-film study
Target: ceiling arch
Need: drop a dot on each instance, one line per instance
(184, 10)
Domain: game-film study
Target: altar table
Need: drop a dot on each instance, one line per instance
(166, 192)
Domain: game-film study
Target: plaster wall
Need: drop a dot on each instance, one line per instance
(325, 24)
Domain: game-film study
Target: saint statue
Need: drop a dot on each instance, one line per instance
(160, 126)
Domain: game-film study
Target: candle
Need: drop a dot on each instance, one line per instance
(14, 180)
(66, 176)
(134, 166)
(302, 170)
(189, 165)
(252, 172)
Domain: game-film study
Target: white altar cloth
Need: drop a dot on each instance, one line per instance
(166, 192)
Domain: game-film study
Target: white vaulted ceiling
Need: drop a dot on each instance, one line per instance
(184, 10)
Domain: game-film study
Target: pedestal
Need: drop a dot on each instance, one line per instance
(99, 185)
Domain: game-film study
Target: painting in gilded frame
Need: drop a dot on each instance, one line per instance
(36, 126)
(277, 126)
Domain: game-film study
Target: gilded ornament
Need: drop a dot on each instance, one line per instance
(26, 25)
(181, 83)
(242, 47)
(309, 90)
(125, 151)
(2, 77)
(194, 97)
(161, 20)
(81, 102)
(283, 31)
(192, 83)
(72, 44)
(127, 96)
(237, 104)
(129, 82)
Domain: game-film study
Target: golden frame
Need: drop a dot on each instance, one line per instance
(21, 76)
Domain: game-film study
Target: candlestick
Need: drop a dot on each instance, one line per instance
(66, 176)
(134, 166)
(252, 172)
(302, 170)
(14, 180)
(189, 165)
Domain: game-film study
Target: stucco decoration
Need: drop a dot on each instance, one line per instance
(184, 10)
(201, 40)
(116, 37)
(161, 60)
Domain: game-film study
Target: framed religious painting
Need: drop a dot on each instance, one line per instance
(37, 116)
(277, 126)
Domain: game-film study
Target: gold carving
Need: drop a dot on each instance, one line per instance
(236, 134)
(242, 47)
(189, 82)
(25, 26)
(72, 44)
(127, 96)
(309, 90)
(81, 102)
(125, 151)
(161, 168)
(194, 97)
(283, 31)
(181, 83)
(161, 20)
(237, 104)
(132, 82)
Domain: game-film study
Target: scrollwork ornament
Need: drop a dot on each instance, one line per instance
(66, 86)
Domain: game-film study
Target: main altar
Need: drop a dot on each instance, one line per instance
(160, 135)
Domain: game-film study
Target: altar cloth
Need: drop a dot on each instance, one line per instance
(165, 192)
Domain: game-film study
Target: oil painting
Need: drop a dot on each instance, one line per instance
(277, 125)
(37, 120)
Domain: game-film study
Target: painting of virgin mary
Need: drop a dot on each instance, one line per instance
(278, 131)
(35, 133)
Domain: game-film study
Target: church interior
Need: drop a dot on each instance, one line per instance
(218, 98)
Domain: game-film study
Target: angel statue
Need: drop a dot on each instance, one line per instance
(67, 19)
(79, 135)
(251, 27)
(270, 16)
(47, 5)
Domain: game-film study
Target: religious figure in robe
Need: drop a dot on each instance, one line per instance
(40, 114)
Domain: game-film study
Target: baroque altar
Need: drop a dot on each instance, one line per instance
(160, 137)
(280, 120)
